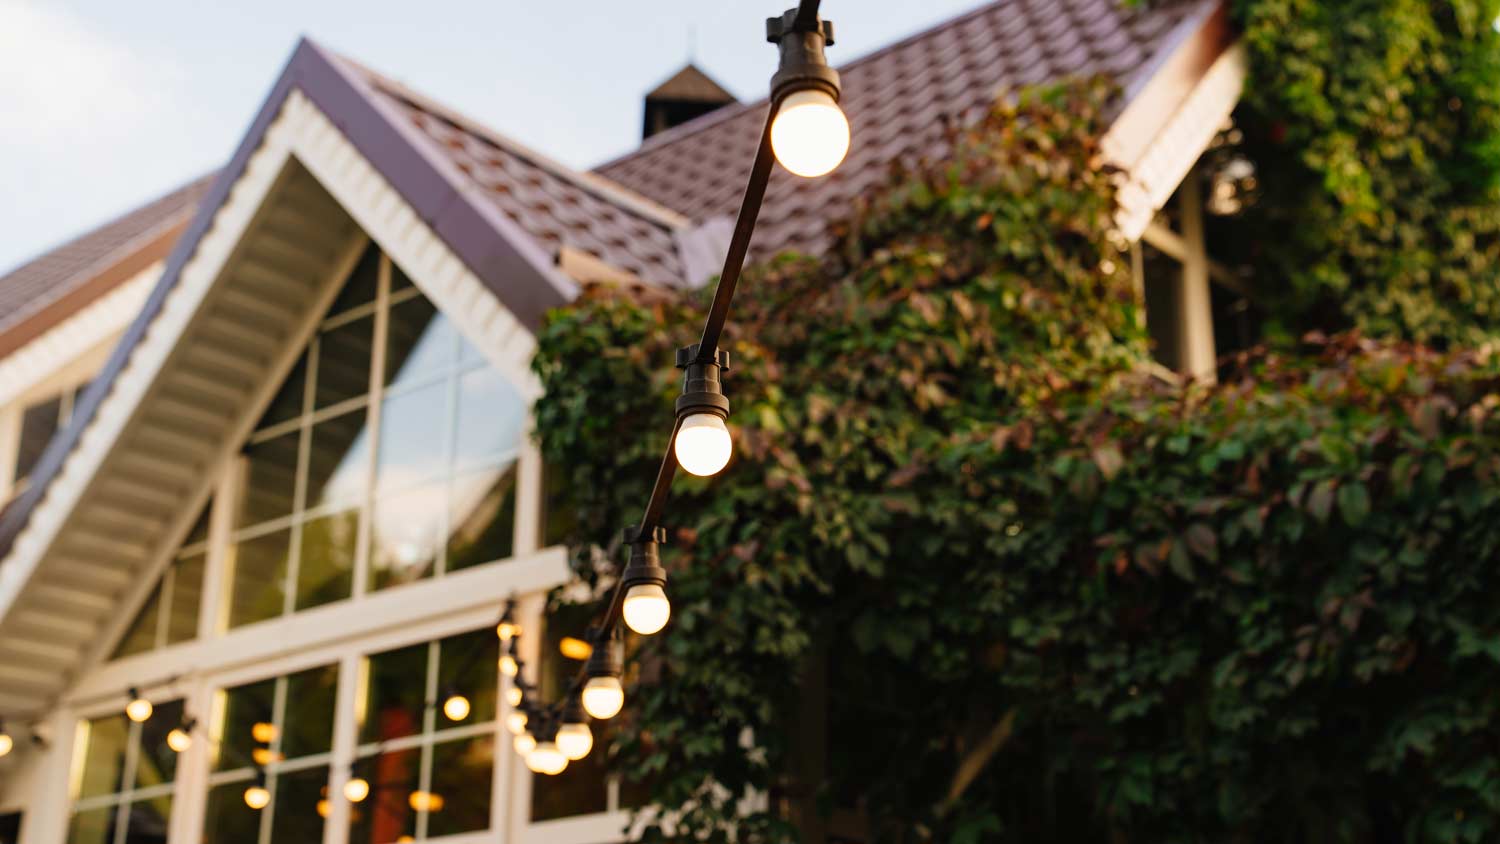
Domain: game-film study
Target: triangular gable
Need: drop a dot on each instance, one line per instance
(323, 167)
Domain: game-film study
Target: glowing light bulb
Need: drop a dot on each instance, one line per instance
(356, 789)
(574, 648)
(6, 743)
(575, 740)
(547, 759)
(811, 134)
(139, 709)
(516, 722)
(456, 707)
(646, 608)
(513, 695)
(524, 743)
(507, 630)
(257, 797)
(324, 808)
(425, 801)
(508, 666)
(263, 732)
(603, 697)
(179, 740)
(703, 445)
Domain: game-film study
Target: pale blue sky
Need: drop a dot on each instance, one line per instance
(106, 104)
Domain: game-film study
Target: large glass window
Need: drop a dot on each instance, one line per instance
(430, 774)
(283, 726)
(390, 450)
(126, 779)
(170, 614)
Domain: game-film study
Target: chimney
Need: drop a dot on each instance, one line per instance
(687, 95)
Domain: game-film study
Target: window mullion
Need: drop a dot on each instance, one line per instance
(345, 738)
(362, 550)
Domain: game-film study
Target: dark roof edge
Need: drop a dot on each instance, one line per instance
(504, 259)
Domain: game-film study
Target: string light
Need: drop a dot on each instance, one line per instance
(546, 758)
(456, 707)
(138, 709)
(6, 742)
(574, 738)
(181, 736)
(514, 695)
(263, 732)
(356, 789)
(524, 743)
(603, 695)
(257, 796)
(516, 722)
(508, 666)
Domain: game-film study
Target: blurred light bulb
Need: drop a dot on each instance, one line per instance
(547, 759)
(574, 648)
(425, 801)
(456, 707)
(138, 710)
(257, 797)
(703, 445)
(262, 756)
(646, 608)
(516, 722)
(811, 134)
(524, 743)
(6, 743)
(263, 732)
(575, 740)
(323, 808)
(356, 789)
(179, 740)
(508, 630)
(603, 697)
(508, 666)
(513, 695)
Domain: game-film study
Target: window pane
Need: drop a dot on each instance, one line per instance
(339, 462)
(468, 665)
(344, 361)
(104, 757)
(244, 707)
(227, 819)
(325, 571)
(289, 399)
(187, 599)
(386, 815)
(148, 820)
(258, 577)
(96, 826)
(296, 817)
(140, 637)
(270, 479)
(38, 425)
(491, 415)
(308, 726)
(422, 342)
(482, 517)
(405, 535)
(394, 699)
(559, 509)
(461, 775)
(413, 436)
(360, 288)
(157, 763)
(199, 531)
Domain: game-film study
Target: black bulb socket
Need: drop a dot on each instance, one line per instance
(803, 66)
(702, 382)
(645, 566)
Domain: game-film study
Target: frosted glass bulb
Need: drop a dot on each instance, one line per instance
(575, 740)
(646, 608)
(513, 695)
(547, 759)
(456, 708)
(525, 743)
(703, 445)
(507, 630)
(811, 134)
(138, 710)
(603, 697)
(179, 740)
(324, 808)
(6, 743)
(263, 732)
(356, 790)
(257, 797)
(508, 666)
(516, 722)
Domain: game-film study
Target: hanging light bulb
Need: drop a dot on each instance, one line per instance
(181, 736)
(257, 796)
(356, 789)
(324, 808)
(646, 609)
(574, 738)
(547, 759)
(456, 707)
(603, 697)
(524, 743)
(516, 722)
(138, 709)
(703, 445)
(811, 134)
(6, 742)
(263, 732)
(574, 648)
(425, 801)
(507, 629)
(508, 666)
(514, 695)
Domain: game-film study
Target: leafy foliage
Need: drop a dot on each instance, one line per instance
(1056, 598)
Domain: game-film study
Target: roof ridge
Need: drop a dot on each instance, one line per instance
(601, 186)
(728, 112)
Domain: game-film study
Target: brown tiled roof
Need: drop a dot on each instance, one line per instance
(555, 204)
(65, 271)
(693, 85)
(899, 100)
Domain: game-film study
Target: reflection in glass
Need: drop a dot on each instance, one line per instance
(295, 800)
(413, 430)
(140, 637)
(359, 289)
(386, 815)
(482, 518)
(270, 480)
(157, 763)
(227, 819)
(243, 708)
(422, 342)
(289, 399)
(394, 697)
(325, 570)
(147, 820)
(307, 727)
(104, 757)
(491, 416)
(258, 569)
(461, 773)
(95, 826)
(344, 361)
(187, 599)
(406, 531)
(338, 464)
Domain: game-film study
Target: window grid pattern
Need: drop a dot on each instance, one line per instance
(126, 780)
